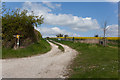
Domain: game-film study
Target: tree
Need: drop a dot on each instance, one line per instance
(59, 35)
(96, 35)
(16, 22)
(65, 36)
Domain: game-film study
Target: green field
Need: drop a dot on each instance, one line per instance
(93, 61)
(34, 49)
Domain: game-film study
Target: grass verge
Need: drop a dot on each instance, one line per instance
(95, 61)
(59, 46)
(37, 48)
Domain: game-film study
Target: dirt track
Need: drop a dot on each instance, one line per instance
(52, 64)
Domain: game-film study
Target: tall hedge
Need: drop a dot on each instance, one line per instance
(19, 22)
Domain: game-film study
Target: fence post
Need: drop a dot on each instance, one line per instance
(73, 39)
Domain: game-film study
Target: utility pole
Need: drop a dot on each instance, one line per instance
(104, 34)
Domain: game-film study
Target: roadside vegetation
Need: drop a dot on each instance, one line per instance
(59, 46)
(93, 61)
(34, 49)
(18, 22)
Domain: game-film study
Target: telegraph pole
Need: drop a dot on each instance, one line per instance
(105, 33)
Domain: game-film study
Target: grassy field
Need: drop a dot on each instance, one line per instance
(59, 46)
(114, 43)
(37, 48)
(95, 61)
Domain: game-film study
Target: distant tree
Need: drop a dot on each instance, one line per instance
(96, 35)
(47, 37)
(65, 35)
(59, 35)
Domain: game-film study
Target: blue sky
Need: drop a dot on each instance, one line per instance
(73, 18)
(61, 0)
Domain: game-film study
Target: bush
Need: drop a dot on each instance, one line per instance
(16, 22)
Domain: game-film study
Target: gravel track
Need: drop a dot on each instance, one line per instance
(52, 64)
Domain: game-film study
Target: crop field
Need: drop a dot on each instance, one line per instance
(108, 38)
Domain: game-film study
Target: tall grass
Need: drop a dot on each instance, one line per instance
(34, 49)
(59, 46)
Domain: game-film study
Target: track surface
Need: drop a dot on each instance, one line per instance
(52, 64)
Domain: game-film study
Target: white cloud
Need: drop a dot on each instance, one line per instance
(51, 5)
(52, 32)
(112, 31)
(37, 8)
(112, 0)
(58, 5)
(61, 0)
(75, 23)
(66, 20)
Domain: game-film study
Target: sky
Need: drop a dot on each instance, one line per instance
(78, 19)
(61, 0)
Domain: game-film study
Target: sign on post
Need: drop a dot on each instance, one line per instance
(18, 37)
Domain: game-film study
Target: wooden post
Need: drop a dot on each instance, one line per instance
(73, 39)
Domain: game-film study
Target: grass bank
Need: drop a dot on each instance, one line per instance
(95, 61)
(37, 48)
(59, 46)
